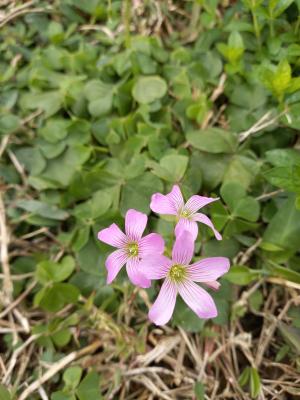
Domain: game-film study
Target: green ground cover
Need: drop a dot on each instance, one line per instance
(103, 103)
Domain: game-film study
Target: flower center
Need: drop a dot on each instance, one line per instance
(133, 249)
(185, 213)
(177, 273)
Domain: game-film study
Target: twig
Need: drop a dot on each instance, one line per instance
(18, 166)
(269, 332)
(24, 361)
(42, 393)
(262, 123)
(191, 348)
(15, 356)
(5, 139)
(267, 196)
(22, 12)
(18, 300)
(31, 116)
(4, 143)
(284, 282)
(19, 277)
(215, 94)
(99, 28)
(58, 366)
(23, 320)
(159, 351)
(219, 89)
(248, 253)
(151, 386)
(179, 363)
(7, 283)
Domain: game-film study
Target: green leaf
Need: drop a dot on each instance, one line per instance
(57, 296)
(291, 335)
(221, 248)
(287, 178)
(32, 159)
(52, 150)
(62, 337)
(55, 129)
(240, 205)
(256, 300)
(234, 50)
(91, 260)
(212, 167)
(283, 157)
(212, 140)
(62, 169)
(4, 393)
(285, 273)
(247, 208)
(240, 169)
(284, 228)
(49, 271)
(241, 275)
(62, 396)
(277, 79)
(254, 383)
(137, 192)
(244, 377)
(100, 97)
(96, 206)
(9, 123)
(81, 238)
(199, 389)
(89, 387)
(171, 168)
(49, 102)
(43, 209)
(72, 376)
(232, 193)
(183, 316)
(281, 6)
(148, 89)
(292, 119)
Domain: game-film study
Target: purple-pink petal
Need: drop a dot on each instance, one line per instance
(205, 220)
(183, 248)
(135, 224)
(185, 224)
(114, 263)
(135, 274)
(161, 311)
(208, 269)
(113, 236)
(198, 299)
(155, 266)
(213, 285)
(196, 202)
(151, 244)
(172, 203)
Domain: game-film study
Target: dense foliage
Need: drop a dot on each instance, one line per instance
(104, 103)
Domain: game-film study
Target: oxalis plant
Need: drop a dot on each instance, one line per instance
(145, 260)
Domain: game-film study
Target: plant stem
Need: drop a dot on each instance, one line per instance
(297, 26)
(271, 26)
(127, 19)
(256, 27)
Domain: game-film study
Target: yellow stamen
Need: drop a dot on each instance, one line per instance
(177, 273)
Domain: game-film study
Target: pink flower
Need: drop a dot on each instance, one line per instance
(187, 215)
(131, 247)
(180, 277)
